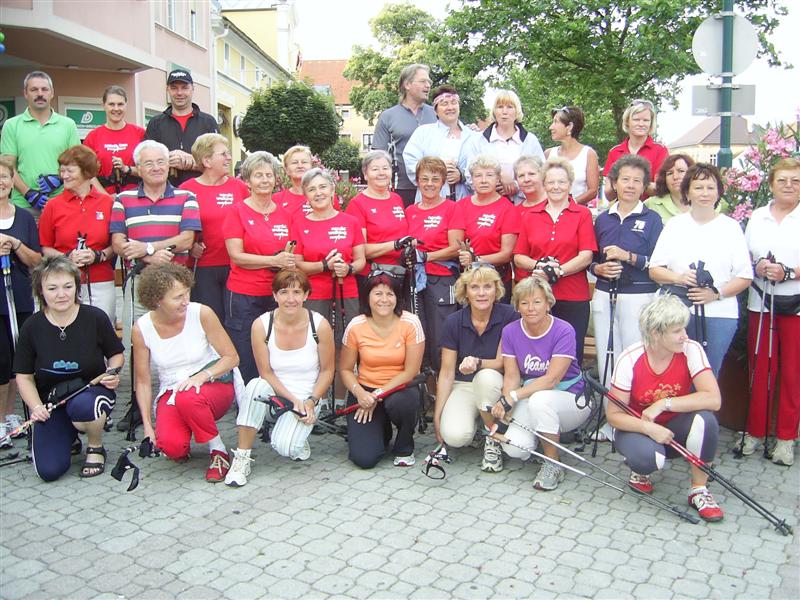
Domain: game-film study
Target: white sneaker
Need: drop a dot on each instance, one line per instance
(751, 444)
(783, 454)
(548, 477)
(404, 461)
(240, 468)
(12, 422)
(303, 453)
(492, 456)
(5, 442)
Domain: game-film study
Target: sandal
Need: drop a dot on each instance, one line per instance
(93, 469)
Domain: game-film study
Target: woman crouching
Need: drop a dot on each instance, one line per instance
(193, 358)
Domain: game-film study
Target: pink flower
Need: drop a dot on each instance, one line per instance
(743, 211)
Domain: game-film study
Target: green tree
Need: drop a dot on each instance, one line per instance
(286, 114)
(407, 35)
(344, 155)
(597, 54)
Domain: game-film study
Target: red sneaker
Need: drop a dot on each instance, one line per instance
(703, 502)
(218, 466)
(641, 483)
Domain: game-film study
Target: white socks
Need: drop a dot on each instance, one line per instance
(216, 444)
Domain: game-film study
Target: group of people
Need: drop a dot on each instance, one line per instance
(467, 252)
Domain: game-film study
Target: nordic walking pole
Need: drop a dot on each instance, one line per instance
(696, 461)
(501, 428)
(613, 291)
(738, 452)
(771, 287)
(5, 264)
(81, 245)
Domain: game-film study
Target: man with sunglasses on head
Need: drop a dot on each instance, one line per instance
(396, 124)
(639, 122)
(179, 126)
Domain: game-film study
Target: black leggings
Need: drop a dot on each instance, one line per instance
(698, 431)
(368, 442)
(576, 313)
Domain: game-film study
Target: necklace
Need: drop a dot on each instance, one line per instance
(63, 330)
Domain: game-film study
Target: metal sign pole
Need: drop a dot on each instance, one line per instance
(725, 155)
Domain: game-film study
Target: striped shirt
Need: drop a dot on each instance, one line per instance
(141, 219)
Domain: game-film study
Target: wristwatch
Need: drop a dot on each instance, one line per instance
(150, 249)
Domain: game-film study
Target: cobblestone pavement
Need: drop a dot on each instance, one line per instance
(326, 528)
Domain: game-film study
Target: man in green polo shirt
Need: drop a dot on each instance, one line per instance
(35, 139)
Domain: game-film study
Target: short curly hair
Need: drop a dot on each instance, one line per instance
(156, 280)
(528, 286)
(482, 273)
(82, 157)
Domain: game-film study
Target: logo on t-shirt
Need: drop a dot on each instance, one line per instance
(397, 211)
(337, 233)
(535, 364)
(432, 222)
(664, 390)
(486, 220)
(65, 365)
(638, 225)
(280, 230)
(99, 215)
(224, 199)
(119, 147)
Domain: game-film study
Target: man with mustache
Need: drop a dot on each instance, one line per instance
(35, 139)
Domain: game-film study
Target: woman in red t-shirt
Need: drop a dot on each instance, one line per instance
(75, 224)
(557, 242)
(114, 143)
(256, 233)
(297, 161)
(489, 221)
(430, 223)
(216, 193)
(332, 249)
(379, 212)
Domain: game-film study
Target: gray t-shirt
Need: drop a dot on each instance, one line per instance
(396, 124)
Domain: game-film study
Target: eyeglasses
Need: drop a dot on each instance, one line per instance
(791, 181)
(642, 102)
(423, 81)
(478, 264)
(151, 164)
(226, 154)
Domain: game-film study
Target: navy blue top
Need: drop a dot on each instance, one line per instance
(459, 334)
(637, 233)
(24, 229)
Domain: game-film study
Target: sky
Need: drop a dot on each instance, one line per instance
(328, 29)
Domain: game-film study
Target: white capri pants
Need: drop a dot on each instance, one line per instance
(288, 435)
(548, 411)
(104, 297)
(626, 325)
(460, 413)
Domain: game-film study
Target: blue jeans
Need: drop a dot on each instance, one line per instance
(719, 333)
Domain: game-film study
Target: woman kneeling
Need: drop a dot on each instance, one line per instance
(541, 378)
(388, 344)
(656, 377)
(61, 348)
(294, 352)
(193, 358)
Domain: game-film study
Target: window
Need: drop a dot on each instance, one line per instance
(366, 141)
(226, 63)
(242, 70)
(325, 90)
(346, 136)
(259, 76)
(171, 14)
(193, 25)
(345, 113)
(712, 159)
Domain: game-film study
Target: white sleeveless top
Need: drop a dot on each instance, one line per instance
(579, 163)
(179, 357)
(297, 369)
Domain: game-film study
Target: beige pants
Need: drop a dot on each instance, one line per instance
(460, 414)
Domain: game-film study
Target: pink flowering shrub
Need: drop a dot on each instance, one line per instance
(747, 188)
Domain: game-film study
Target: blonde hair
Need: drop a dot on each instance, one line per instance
(557, 162)
(635, 109)
(481, 273)
(662, 314)
(530, 160)
(484, 161)
(509, 97)
(295, 150)
(527, 287)
(784, 164)
(203, 146)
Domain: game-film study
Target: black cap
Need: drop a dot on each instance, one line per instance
(179, 75)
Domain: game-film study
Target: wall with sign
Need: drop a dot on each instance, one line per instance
(87, 113)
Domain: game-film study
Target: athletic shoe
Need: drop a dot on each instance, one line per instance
(783, 454)
(751, 444)
(641, 483)
(404, 461)
(5, 442)
(218, 466)
(703, 502)
(240, 468)
(304, 452)
(548, 477)
(12, 422)
(492, 456)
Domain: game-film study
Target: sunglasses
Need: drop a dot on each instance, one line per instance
(379, 272)
(481, 264)
(642, 102)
